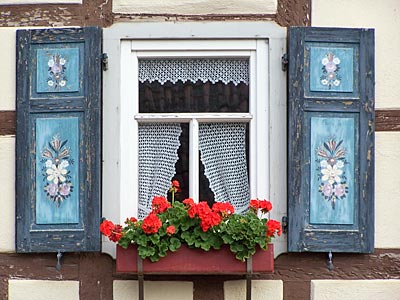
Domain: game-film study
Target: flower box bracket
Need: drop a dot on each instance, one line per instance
(188, 261)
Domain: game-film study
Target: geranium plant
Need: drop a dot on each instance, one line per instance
(168, 225)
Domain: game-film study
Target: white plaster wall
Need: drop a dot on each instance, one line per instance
(153, 290)
(43, 290)
(384, 16)
(260, 290)
(355, 289)
(195, 7)
(7, 70)
(40, 1)
(7, 195)
(387, 190)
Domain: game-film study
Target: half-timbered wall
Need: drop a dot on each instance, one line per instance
(300, 276)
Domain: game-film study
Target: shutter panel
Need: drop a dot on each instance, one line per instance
(58, 143)
(331, 140)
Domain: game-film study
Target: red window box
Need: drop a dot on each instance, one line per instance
(195, 261)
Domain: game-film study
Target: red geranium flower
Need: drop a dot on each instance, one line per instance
(106, 227)
(273, 227)
(225, 209)
(209, 220)
(264, 205)
(111, 230)
(192, 211)
(116, 233)
(176, 186)
(130, 220)
(170, 230)
(151, 224)
(160, 204)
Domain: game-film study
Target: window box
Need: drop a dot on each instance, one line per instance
(195, 261)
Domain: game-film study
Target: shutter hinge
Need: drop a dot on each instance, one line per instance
(285, 224)
(285, 62)
(104, 61)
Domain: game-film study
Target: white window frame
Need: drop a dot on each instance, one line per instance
(262, 42)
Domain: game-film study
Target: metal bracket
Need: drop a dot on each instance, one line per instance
(140, 277)
(329, 262)
(104, 61)
(249, 275)
(59, 256)
(285, 62)
(285, 224)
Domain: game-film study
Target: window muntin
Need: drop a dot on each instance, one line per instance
(194, 85)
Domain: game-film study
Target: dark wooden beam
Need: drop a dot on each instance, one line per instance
(89, 13)
(385, 120)
(7, 122)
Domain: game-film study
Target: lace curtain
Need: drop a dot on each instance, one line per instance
(223, 153)
(158, 146)
(222, 145)
(213, 70)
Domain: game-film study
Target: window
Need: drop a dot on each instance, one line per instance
(197, 93)
(185, 74)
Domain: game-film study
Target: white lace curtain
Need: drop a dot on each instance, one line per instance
(222, 145)
(223, 153)
(158, 146)
(214, 69)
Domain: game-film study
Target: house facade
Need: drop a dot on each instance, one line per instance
(181, 34)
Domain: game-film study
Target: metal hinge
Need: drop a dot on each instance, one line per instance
(285, 224)
(285, 62)
(104, 61)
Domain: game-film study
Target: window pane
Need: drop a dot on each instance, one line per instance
(189, 97)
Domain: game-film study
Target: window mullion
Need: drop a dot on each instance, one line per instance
(194, 160)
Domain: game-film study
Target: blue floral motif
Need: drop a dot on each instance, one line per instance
(331, 160)
(56, 70)
(56, 160)
(330, 71)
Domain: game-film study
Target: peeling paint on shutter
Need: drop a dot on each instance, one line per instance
(58, 142)
(331, 139)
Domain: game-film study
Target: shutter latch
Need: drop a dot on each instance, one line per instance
(285, 62)
(104, 61)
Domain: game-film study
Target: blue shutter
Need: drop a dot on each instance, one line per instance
(331, 139)
(58, 142)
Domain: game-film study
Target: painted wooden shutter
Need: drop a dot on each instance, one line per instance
(58, 142)
(331, 140)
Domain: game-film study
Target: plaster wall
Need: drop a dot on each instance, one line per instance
(7, 198)
(43, 290)
(355, 289)
(387, 190)
(153, 290)
(195, 7)
(385, 18)
(7, 70)
(236, 289)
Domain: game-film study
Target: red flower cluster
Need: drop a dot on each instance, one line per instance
(273, 227)
(209, 217)
(111, 230)
(160, 204)
(170, 230)
(151, 223)
(264, 205)
(225, 209)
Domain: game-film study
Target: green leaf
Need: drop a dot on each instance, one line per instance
(175, 244)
